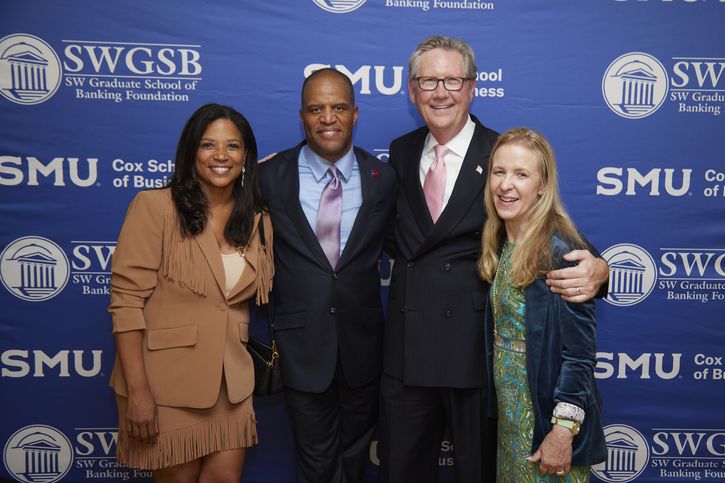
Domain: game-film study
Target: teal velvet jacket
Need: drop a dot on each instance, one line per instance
(560, 361)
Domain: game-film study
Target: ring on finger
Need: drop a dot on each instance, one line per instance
(578, 290)
(561, 473)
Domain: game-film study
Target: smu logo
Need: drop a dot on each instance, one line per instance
(385, 83)
(17, 363)
(30, 71)
(28, 171)
(622, 365)
(38, 453)
(339, 6)
(34, 268)
(635, 85)
(613, 180)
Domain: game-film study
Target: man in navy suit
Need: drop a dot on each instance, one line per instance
(434, 369)
(328, 314)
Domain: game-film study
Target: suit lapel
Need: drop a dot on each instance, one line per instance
(469, 185)
(369, 196)
(537, 308)
(251, 255)
(210, 249)
(290, 192)
(412, 187)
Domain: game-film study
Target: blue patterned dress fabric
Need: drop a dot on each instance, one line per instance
(515, 410)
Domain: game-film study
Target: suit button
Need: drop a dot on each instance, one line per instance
(222, 307)
(411, 264)
(447, 267)
(332, 310)
(334, 276)
(402, 310)
(448, 314)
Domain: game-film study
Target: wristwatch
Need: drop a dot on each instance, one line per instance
(572, 426)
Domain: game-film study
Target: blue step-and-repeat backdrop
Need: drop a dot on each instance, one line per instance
(631, 93)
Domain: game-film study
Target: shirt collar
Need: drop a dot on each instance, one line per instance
(460, 142)
(319, 165)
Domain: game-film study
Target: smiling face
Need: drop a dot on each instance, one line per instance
(328, 115)
(515, 185)
(444, 112)
(220, 157)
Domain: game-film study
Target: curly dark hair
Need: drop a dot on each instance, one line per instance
(191, 203)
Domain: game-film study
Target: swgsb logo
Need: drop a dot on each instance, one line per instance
(34, 268)
(628, 454)
(633, 274)
(30, 70)
(339, 6)
(38, 453)
(635, 85)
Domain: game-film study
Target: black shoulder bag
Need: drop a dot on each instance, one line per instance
(267, 371)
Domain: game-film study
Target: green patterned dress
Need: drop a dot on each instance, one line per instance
(515, 411)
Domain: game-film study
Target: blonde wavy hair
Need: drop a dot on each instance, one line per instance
(532, 254)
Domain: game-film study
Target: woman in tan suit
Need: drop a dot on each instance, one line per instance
(188, 259)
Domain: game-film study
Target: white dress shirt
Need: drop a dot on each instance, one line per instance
(457, 148)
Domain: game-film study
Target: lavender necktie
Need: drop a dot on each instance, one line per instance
(434, 185)
(328, 218)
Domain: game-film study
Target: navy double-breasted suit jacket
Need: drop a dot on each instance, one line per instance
(434, 329)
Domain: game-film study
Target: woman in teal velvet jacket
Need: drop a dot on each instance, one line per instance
(541, 349)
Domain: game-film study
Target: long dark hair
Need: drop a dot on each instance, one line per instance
(186, 191)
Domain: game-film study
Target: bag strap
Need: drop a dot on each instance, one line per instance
(270, 315)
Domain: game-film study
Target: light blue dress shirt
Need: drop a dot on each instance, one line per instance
(313, 179)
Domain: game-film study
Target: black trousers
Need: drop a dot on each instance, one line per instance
(333, 429)
(412, 423)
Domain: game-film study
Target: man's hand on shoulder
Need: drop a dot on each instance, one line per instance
(582, 282)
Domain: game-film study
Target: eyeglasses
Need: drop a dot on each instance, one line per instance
(450, 83)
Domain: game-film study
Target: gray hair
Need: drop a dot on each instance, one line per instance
(446, 43)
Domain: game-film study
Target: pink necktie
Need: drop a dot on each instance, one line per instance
(434, 185)
(328, 218)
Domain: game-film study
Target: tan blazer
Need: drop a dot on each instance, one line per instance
(174, 289)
